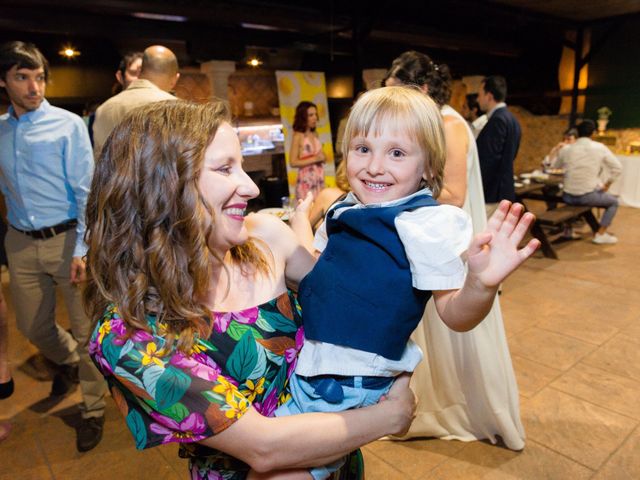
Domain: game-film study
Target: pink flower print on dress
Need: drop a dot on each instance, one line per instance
(198, 369)
(189, 430)
(222, 320)
(268, 404)
(291, 354)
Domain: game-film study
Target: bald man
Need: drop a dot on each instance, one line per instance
(158, 76)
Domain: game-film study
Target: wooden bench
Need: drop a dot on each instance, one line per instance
(559, 216)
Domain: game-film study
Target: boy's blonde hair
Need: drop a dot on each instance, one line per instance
(410, 111)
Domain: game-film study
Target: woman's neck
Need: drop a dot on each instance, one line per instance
(234, 286)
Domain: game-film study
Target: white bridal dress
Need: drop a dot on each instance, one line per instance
(465, 385)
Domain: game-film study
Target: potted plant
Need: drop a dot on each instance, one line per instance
(603, 118)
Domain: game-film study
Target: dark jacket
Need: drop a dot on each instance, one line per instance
(498, 144)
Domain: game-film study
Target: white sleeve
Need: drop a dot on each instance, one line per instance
(320, 240)
(434, 238)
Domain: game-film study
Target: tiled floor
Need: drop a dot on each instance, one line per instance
(574, 331)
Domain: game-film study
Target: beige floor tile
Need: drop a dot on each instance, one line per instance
(579, 430)
(515, 318)
(38, 473)
(559, 297)
(535, 462)
(377, 468)
(127, 463)
(20, 451)
(532, 376)
(619, 394)
(415, 457)
(632, 331)
(580, 327)
(625, 463)
(549, 349)
(170, 453)
(619, 355)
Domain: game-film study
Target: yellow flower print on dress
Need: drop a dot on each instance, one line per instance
(253, 389)
(105, 329)
(236, 406)
(152, 354)
(226, 388)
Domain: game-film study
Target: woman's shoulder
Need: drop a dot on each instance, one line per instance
(263, 224)
(269, 229)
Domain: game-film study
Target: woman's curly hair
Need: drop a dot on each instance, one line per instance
(415, 68)
(148, 224)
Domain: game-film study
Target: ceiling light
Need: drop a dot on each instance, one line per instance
(69, 51)
(159, 16)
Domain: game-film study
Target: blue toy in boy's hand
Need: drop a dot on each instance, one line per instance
(330, 390)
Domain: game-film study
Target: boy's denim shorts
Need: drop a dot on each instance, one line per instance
(307, 393)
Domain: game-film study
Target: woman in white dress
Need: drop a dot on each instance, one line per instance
(466, 385)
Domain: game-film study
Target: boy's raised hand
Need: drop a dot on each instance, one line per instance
(494, 254)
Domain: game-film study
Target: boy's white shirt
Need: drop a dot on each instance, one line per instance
(434, 255)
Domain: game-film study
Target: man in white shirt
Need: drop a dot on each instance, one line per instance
(590, 168)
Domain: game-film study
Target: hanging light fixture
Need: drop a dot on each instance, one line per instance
(69, 51)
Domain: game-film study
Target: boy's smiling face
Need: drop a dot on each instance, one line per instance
(384, 166)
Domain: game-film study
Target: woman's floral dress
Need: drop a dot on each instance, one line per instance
(166, 396)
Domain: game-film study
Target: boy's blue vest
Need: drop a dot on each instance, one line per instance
(360, 294)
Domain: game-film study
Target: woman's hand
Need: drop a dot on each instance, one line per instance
(403, 403)
(494, 254)
(304, 205)
(300, 224)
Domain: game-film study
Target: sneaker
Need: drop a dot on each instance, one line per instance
(89, 433)
(604, 239)
(65, 380)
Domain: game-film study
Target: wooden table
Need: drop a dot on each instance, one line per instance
(551, 193)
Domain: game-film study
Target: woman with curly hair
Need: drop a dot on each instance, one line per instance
(196, 331)
(466, 388)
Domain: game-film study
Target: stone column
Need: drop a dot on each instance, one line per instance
(218, 71)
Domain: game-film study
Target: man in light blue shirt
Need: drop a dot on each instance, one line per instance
(46, 165)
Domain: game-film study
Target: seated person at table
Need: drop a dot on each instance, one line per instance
(584, 163)
(568, 138)
(389, 247)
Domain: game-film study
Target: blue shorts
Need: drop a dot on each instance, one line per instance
(308, 394)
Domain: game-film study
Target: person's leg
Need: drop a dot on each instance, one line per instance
(610, 204)
(6, 382)
(602, 200)
(33, 294)
(57, 258)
